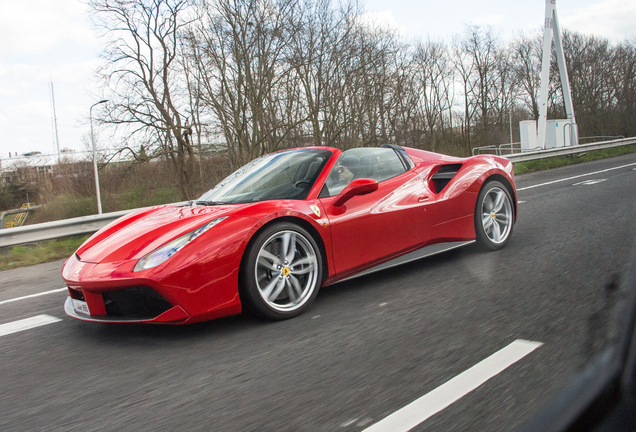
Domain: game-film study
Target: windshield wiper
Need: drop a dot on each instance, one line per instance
(206, 203)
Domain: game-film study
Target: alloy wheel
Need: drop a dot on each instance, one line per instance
(286, 271)
(496, 215)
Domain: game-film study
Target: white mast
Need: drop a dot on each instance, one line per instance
(551, 29)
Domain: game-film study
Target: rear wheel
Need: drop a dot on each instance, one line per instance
(282, 273)
(494, 216)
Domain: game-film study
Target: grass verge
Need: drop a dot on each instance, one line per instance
(556, 162)
(38, 253)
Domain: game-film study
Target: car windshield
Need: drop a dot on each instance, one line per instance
(282, 175)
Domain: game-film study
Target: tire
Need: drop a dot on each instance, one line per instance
(282, 272)
(494, 216)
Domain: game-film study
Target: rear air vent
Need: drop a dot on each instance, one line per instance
(444, 175)
(135, 302)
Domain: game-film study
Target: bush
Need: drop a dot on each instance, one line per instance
(141, 195)
(64, 206)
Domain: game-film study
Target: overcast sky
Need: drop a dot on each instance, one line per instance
(43, 40)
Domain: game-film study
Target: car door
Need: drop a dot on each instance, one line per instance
(371, 228)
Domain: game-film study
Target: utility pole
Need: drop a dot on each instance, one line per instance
(57, 140)
(90, 116)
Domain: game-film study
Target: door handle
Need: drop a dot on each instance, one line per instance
(422, 198)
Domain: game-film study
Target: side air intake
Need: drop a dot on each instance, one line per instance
(444, 175)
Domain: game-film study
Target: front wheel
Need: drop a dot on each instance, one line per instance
(282, 273)
(494, 216)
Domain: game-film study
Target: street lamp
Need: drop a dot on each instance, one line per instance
(90, 115)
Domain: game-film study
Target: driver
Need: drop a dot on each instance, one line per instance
(347, 170)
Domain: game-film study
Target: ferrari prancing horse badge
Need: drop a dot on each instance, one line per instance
(315, 209)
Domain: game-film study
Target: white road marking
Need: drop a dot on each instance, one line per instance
(433, 402)
(27, 324)
(575, 177)
(32, 295)
(349, 422)
(382, 304)
(589, 182)
(520, 202)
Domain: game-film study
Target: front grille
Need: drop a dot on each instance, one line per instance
(135, 302)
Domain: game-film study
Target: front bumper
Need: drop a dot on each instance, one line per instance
(174, 315)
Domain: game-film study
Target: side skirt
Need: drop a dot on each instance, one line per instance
(412, 256)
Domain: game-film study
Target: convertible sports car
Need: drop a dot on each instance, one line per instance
(271, 234)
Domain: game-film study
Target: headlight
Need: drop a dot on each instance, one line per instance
(158, 256)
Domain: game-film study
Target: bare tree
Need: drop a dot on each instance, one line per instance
(320, 53)
(590, 62)
(624, 83)
(239, 48)
(141, 76)
(481, 48)
(527, 67)
(404, 115)
(465, 72)
(433, 80)
(503, 93)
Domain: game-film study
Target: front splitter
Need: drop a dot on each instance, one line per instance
(174, 315)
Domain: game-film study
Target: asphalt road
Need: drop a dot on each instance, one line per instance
(367, 347)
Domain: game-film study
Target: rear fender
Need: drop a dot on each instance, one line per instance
(456, 202)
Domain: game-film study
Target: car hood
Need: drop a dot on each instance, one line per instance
(141, 232)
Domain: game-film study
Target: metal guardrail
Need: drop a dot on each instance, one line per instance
(62, 228)
(514, 148)
(22, 210)
(487, 149)
(569, 150)
(509, 147)
(57, 229)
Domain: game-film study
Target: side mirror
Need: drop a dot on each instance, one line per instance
(356, 187)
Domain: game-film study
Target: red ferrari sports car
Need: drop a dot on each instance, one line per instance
(271, 234)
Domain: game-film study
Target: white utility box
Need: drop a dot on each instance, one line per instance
(560, 133)
(528, 134)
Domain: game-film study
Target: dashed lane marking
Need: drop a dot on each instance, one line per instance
(575, 177)
(431, 403)
(349, 422)
(589, 182)
(32, 295)
(27, 324)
